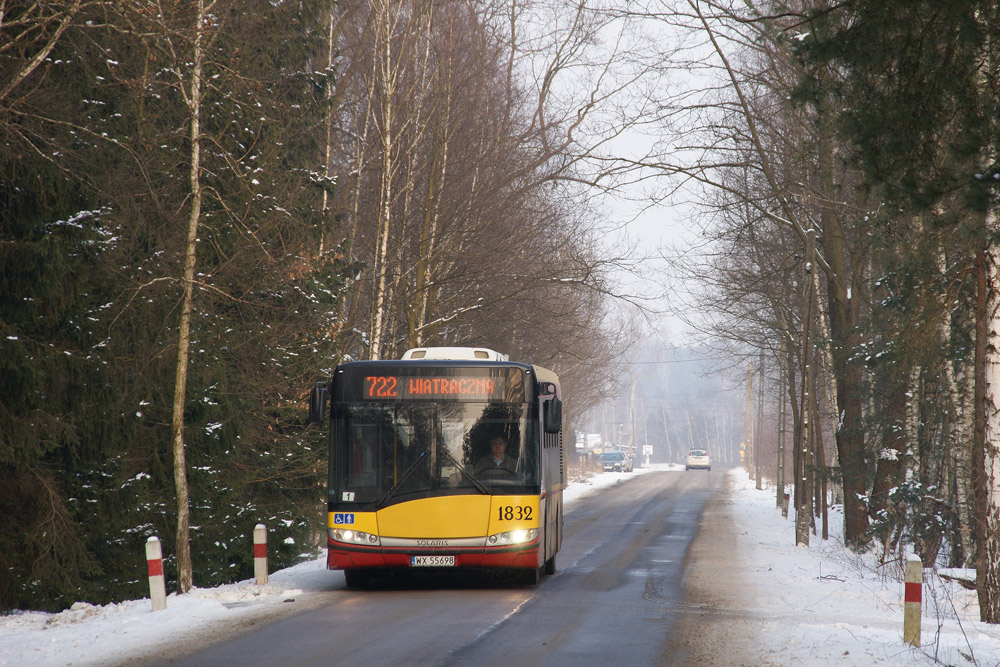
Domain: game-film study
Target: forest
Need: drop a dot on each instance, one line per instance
(206, 205)
(849, 178)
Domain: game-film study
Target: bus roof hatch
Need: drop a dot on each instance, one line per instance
(463, 353)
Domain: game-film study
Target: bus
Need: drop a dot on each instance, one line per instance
(449, 459)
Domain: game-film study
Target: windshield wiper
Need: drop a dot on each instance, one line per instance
(402, 478)
(465, 471)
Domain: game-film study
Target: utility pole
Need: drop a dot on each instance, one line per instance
(645, 430)
(615, 426)
(760, 423)
(631, 420)
(604, 424)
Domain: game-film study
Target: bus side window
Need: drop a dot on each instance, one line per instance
(363, 455)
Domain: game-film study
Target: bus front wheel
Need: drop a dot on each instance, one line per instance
(531, 576)
(357, 578)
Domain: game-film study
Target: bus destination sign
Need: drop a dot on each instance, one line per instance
(409, 387)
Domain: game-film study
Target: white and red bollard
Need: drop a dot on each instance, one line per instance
(157, 585)
(260, 553)
(913, 582)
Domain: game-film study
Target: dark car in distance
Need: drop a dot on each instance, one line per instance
(615, 462)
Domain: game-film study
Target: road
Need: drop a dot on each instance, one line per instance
(618, 597)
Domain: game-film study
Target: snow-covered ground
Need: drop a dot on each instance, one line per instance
(825, 605)
(810, 601)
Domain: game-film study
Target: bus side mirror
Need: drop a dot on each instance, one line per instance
(317, 403)
(553, 415)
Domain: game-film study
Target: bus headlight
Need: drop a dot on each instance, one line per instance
(513, 537)
(353, 537)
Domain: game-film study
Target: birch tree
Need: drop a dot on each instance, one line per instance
(191, 87)
(254, 251)
(180, 40)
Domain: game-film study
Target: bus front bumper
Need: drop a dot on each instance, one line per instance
(340, 557)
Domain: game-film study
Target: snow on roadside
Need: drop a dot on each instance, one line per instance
(87, 634)
(822, 606)
(827, 605)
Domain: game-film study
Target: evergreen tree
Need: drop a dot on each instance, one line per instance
(92, 187)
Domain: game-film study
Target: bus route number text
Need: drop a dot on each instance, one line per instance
(381, 386)
(514, 513)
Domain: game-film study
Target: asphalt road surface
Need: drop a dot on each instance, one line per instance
(618, 597)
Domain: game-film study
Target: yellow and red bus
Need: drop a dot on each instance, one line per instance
(450, 458)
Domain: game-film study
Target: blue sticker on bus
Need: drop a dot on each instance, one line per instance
(340, 519)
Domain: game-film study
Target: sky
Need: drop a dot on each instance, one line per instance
(822, 605)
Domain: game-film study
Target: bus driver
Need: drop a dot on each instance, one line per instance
(497, 458)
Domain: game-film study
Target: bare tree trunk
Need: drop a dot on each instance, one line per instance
(183, 545)
(759, 425)
(328, 150)
(803, 495)
(671, 454)
(956, 439)
(387, 75)
(426, 259)
(820, 458)
(850, 431)
(793, 404)
(780, 473)
(988, 456)
(962, 466)
(748, 425)
(352, 302)
(437, 173)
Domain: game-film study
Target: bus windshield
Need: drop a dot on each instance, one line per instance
(386, 453)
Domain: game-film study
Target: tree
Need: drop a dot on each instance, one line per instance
(190, 83)
(924, 114)
(461, 204)
(99, 231)
(257, 252)
(32, 31)
(779, 130)
(52, 236)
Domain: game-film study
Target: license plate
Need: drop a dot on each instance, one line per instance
(432, 561)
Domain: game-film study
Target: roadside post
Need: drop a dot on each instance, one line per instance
(260, 553)
(157, 585)
(913, 581)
